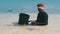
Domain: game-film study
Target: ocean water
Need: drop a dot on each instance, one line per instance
(12, 17)
(6, 18)
(7, 26)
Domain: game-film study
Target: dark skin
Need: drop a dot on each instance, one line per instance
(40, 10)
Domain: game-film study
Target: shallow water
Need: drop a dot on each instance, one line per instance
(7, 26)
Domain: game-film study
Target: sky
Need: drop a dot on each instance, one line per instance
(52, 6)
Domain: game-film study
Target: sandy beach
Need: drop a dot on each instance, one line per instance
(7, 26)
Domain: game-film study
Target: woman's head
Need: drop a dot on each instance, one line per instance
(40, 6)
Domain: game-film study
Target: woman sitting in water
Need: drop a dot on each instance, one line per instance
(42, 18)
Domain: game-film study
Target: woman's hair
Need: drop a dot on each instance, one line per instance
(40, 5)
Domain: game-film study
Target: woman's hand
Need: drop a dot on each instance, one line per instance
(33, 22)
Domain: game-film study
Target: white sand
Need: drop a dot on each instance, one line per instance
(6, 26)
